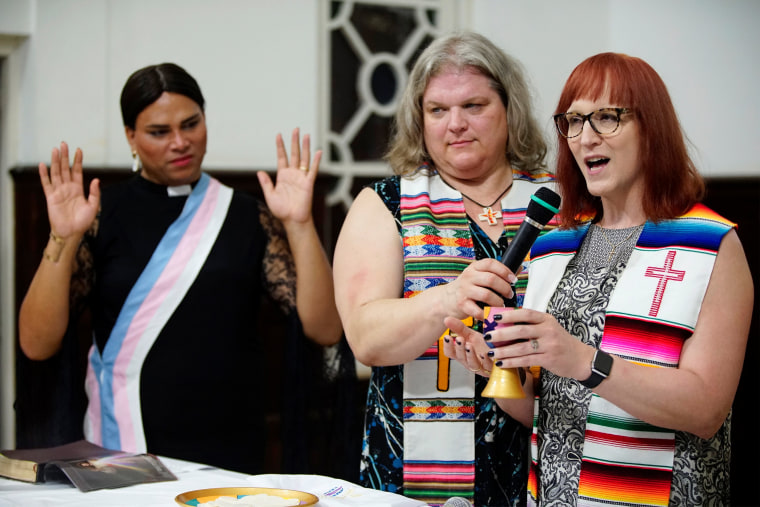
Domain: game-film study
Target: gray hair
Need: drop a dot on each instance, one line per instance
(526, 147)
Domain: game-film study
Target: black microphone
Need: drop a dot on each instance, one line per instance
(543, 205)
(457, 501)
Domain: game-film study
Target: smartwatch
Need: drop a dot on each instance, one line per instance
(600, 369)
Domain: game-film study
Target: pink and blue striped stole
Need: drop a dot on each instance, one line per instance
(113, 417)
(652, 311)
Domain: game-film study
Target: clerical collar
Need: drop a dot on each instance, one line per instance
(179, 190)
(167, 190)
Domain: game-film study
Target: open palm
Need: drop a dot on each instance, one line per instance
(69, 211)
(290, 199)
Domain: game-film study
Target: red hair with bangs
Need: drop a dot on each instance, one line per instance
(672, 181)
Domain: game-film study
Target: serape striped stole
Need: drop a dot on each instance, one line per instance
(439, 416)
(651, 312)
(114, 418)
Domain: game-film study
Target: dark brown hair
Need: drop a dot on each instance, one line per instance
(146, 85)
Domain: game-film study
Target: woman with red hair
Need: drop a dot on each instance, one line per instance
(637, 310)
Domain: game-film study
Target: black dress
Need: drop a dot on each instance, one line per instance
(202, 383)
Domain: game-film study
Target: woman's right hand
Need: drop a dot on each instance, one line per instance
(69, 212)
(485, 282)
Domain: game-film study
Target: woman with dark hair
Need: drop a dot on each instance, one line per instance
(467, 155)
(146, 85)
(637, 311)
(173, 266)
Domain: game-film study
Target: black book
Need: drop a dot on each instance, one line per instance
(86, 465)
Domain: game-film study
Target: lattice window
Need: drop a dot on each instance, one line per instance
(368, 49)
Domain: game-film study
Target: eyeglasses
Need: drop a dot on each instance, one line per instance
(604, 121)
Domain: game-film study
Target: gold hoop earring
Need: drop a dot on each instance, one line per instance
(136, 164)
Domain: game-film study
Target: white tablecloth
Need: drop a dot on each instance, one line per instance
(192, 476)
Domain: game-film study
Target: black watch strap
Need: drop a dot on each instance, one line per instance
(600, 369)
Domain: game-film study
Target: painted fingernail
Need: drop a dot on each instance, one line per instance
(446, 339)
(490, 353)
(498, 363)
(459, 342)
(467, 349)
(498, 316)
(487, 337)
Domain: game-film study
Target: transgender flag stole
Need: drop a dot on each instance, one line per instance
(652, 311)
(114, 418)
(439, 394)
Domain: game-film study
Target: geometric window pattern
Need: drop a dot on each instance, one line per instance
(368, 49)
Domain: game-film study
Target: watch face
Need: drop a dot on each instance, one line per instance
(602, 363)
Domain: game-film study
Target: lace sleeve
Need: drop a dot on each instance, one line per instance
(83, 277)
(279, 271)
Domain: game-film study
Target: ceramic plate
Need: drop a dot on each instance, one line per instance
(199, 496)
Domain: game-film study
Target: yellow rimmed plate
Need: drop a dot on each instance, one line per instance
(199, 496)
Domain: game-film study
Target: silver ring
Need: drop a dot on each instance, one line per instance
(534, 344)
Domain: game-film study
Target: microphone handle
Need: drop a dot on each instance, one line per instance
(520, 246)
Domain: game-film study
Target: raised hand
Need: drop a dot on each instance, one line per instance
(69, 211)
(290, 199)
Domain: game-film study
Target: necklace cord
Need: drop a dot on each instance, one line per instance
(488, 214)
(614, 247)
(494, 202)
(473, 200)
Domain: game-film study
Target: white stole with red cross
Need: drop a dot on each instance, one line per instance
(652, 311)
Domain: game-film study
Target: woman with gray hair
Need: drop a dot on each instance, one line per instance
(467, 154)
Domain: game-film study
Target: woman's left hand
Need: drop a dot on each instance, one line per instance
(467, 346)
(535, 339)
(290, 199)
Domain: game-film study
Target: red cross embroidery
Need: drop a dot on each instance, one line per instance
(489, 215)
(665, 274)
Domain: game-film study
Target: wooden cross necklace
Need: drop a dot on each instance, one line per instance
(489, 215)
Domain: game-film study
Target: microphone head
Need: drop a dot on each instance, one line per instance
(543, 205)
(457, 501)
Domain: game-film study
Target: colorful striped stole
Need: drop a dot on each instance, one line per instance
(114, 418)
(652, 311)
(439, 415)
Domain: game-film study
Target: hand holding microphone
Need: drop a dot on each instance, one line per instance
(543, 205)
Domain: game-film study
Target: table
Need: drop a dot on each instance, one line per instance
(192, 476)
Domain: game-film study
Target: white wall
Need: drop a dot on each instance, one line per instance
(16, 17)
(705, 50)
(254, 60)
